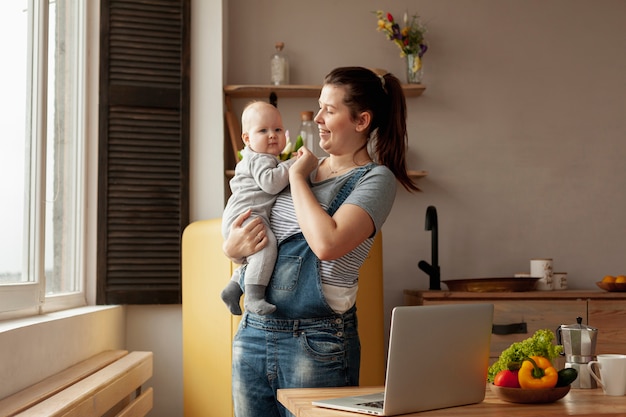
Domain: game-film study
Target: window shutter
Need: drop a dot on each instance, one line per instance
(143, 184)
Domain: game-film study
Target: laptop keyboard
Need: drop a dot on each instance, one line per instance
(373, 404)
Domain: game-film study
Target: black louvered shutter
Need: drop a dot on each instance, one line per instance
(143, 183)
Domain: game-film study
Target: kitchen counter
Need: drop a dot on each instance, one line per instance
(412, 297)
(526, 312)
(578, 402)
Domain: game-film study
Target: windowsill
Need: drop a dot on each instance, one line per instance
(13, 324)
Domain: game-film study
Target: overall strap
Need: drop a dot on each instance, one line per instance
(347, 188)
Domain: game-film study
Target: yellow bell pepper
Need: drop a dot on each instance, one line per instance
(537, 372)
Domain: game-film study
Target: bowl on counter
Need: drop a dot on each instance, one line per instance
(504, 284)
(530, 396)
(612, 286)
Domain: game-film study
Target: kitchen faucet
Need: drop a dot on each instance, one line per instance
(433, 270)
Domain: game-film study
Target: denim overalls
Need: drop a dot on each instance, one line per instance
(304, 343)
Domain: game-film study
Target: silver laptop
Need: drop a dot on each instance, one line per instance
(437, 358)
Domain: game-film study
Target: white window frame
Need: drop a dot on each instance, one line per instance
(30, 297)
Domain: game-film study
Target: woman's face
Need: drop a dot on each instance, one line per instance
(339, 133)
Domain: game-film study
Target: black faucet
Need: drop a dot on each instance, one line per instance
(433, 270)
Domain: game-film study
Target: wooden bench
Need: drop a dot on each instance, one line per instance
(108, 384)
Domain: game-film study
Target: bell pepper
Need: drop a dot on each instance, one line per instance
(537, 372)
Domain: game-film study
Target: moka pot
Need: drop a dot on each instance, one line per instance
(579, 348)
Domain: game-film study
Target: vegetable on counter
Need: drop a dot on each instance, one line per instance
(539, 344)
(566, 377)
(507, 378)
(537, 372)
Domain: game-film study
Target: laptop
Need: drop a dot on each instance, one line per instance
(438, 357)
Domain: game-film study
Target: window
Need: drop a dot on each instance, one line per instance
(42, 154)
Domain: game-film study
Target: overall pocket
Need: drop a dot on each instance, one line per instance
(286, 272)
(323, 345)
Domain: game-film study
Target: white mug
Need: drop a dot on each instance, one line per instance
(542, 269)
(559, 280)
(612, 376)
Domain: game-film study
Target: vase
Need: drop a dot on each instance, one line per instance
(414, 69)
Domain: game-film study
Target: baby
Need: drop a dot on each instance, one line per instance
(259, 177)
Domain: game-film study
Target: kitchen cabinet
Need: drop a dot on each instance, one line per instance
(522, 313)
(609, 316)
(272, 93)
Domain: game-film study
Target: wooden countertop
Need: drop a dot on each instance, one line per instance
(524, 295)
(578, 402)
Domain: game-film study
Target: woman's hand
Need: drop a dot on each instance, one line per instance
(328, 237)
(305, 163)
(244, 240)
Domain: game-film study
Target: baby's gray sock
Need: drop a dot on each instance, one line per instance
(231, 296)
(255, 300)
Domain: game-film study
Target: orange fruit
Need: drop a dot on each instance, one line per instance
(621, 279)
(609, 279)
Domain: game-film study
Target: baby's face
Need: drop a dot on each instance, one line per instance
(266, 133)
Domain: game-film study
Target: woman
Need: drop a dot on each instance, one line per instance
(325, 223)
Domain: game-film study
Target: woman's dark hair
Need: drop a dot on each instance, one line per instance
(382, 96)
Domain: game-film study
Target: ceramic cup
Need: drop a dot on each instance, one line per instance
(559, 280)
(542, 269)
(612, 376)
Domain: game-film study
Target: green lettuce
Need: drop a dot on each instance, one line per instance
(539, 344)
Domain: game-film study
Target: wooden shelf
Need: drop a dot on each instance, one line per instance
(263, 91)
(297, 91)
(413, 90)
(413, 174)
(417, 174)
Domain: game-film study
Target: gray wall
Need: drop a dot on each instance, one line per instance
(521, 126)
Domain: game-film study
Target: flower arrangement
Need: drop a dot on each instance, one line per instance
(409, 38)
(290, 148)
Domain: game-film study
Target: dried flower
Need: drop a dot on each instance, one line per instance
(409, 38)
